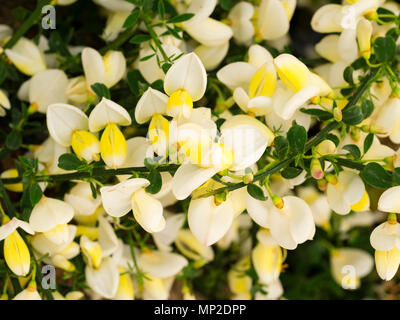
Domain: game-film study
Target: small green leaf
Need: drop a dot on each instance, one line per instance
(14, 140)
(333, 138)
(376, 176)
(297, 138)
(155, 182)
(352, 115)
(139, 38)
(132, 18)
(69, 161)
(35, 193)
(93, 189)
(181, 18)
(161, 8)
(354, 150)
(367, 107)
(348, 75)
(368, 142)
(321, 114)
(134, 77)
(101, 90)
(281, 147)
(291, 172)
(256, 192)
(396, 176)
(147, 57)
(385, 49)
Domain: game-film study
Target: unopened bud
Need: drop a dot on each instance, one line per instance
(248, 178)
(199, 263)
(373, 129)
(389, 162)
(322, 184)
(337, 114)
(331, 178)
(355, 134)
(316, 169)
(315, 100)
(277, 201)
(325, 147)
(219, 198)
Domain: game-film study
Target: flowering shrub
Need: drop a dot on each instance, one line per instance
(187, 149)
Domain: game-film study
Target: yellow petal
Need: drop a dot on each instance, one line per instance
(113, 147)
(86, 145)
(263, 82)
(16, 254)
(292, 71)
(180, 104)
(12, 173)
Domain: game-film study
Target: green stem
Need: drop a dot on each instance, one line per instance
(156, 39)
(32, 19)
(122, 38)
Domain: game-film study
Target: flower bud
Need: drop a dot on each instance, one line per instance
(325, 147)
(316, 169)
(248, 178)
(364, 33)
(331, 178)
(355, 133)
(337, 114)
(277, 201)
(373, 129)
(322, 184)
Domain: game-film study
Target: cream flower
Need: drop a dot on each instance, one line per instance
(129, 195)
(349, 265)
(348, 190)
(107, 70)
(27, 57)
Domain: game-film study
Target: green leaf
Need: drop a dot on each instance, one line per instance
(3, 71)
(396, 176)
(333, 138)
(297, 138)
(94, 190)
(161, 8)
(281, 147)
(227, 5)
(256, 192)
(101, 90)
(132, 18)
(155, 182)
(35, 193)
(139, 38)
(14, 140)
(385, 49)
(383, 15)
(291, 172)
(69, 161)
(148, 57)
(354, 150)
(348, 75)
(181, 18)
(352, 115)
(134, 77)
(368, 142)
(367, 107)
(376, 176)
(321, 114)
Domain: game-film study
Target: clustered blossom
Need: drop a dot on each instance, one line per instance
(206, 147)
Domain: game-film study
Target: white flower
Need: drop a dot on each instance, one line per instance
(48, 213)
(108, 69)
(349, 265)
(128, 195)
(348, 191)
(27, 57)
